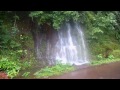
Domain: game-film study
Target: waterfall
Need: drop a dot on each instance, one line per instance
(71, 46)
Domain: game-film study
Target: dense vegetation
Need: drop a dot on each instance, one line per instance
(17, 43)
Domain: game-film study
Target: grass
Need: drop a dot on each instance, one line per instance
(26, 74)
(58, 69)
(105, 61)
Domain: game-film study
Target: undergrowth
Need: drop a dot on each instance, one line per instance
(13, 67)
(104, 61)
(58, 69)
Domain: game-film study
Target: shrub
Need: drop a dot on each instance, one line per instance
(116, 53)
(111, 57)
(11, 67)
(99, 57)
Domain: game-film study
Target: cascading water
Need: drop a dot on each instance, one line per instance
(70, 46)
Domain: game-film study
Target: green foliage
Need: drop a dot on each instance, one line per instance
(54, 70)
(14, 45)
(116, 53)
(98, 23)
(14, 56)
(105, 61)
(26, 64)
(99, 57)
(7, 38)
(8, 31)
(111, 57)
(15, 30)
(55, 18)
(4, 36)
(11, 67)
(102, 30)
(105, 47)
(16, 17)
(26, 74)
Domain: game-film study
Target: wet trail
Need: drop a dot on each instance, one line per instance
(106, 71)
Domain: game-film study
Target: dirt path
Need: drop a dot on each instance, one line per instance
(106, 71)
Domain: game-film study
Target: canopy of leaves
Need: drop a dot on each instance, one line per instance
(95, 22)
(55, 18)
